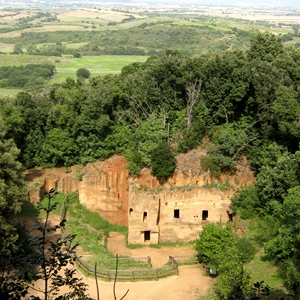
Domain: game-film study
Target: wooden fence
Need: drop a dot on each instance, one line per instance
(186, 260)
(123, 275)
(131, 261)
(127, 275)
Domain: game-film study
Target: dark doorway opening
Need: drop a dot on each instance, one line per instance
(130, 210)
(147, 235)
(176, 213)
(204, 215)
(230, 215)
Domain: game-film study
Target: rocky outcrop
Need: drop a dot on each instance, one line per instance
(173, 210)
(104, 189)
(43, 179)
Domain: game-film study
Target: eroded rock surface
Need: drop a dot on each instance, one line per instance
(174, 210)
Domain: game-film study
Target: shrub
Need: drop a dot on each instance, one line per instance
(83, 72)
(163, 161)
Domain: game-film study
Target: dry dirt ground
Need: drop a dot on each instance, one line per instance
(190, 284)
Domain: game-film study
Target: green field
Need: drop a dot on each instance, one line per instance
(97, 65)
(67, 66)
(8, 92)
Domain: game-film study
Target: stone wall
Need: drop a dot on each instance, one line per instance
(174, 213)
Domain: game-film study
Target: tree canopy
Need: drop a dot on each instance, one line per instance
(244, 103)
(12, 190)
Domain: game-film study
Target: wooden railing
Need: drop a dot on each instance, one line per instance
(122, 275)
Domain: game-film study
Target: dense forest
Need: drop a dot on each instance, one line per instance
(30, 76)
(245, 102)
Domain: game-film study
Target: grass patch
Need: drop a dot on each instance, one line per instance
(171, 244)
(8, 92)
(261, 269)
(82, 214)
(97, 65)
(67, 65)
(31, 211)
(28, 211)
(219, 185)
(134, 246)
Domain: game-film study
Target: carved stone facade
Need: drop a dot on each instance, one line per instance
(172, 211)
(174, 214)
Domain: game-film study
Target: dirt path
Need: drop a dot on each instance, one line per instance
(117, 245)
(190, 284)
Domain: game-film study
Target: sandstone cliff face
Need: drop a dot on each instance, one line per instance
(174, 210)
(43, 179)
(104, 189)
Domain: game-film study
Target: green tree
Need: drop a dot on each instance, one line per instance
(12, 190)
(212, 241)
(218, 247)
(18, 49)
(229, 142)
(83, 73)
(265, 46)
(163, 161)
(274, 182)
(59, 148)
(284, 247)
(50, 261)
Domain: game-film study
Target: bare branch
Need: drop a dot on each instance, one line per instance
(194, 92)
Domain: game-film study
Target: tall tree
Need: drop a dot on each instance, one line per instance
(285, 246)
(12, 190)
(265, 46)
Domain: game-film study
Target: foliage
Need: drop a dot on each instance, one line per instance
(12, 190)
(29, 76)
(83, 73)
(220, 249)
(135, 160)
(229, 142)
(265, 46)
(163, 161)
(246, 249)
(242, 111)
(247, 202)
(49, 261)
(284, 246)
(188, 39)
(212, 241)
(209, 165)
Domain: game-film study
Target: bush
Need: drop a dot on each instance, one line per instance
(76, 55)
(208, 164)
(246, 249)
(83, 72)
(135, 160)
(163, 161)
(246, 203)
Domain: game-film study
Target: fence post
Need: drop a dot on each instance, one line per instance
(149, 261)
(108, 275)
(132, 275)
(156, 274)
